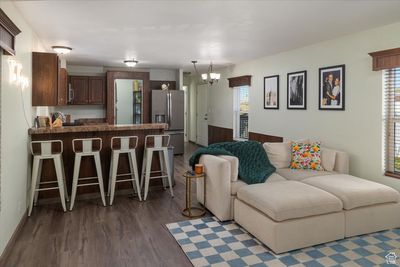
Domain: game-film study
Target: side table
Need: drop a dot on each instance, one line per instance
(189, 211)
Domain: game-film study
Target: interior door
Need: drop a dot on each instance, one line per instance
(123, 97)
(202, 119)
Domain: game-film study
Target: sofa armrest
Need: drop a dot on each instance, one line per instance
(234, 161)
(218, 186)
(342, 162)
(340, 159)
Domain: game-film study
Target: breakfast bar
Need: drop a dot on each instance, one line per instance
(104, 131)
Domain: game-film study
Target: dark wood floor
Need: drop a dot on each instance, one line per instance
(129, 233)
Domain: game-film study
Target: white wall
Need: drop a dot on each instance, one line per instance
(14, 129)
(163, 75)
(357, 130)
(192, 109)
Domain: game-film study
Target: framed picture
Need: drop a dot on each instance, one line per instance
(271, 92)
(332, 88)
(297, 90)
(43, 121)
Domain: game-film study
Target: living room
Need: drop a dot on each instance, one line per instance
(260, 81)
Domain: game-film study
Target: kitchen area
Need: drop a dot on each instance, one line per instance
(80, 102)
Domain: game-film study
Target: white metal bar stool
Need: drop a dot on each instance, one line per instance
(42, 150)
(87, 150)
(127, 145)
(159, 144)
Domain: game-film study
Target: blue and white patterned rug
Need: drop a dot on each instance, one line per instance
(208, 242)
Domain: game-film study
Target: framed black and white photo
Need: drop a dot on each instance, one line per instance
(271, 92)
(297, 90)
(332, 88)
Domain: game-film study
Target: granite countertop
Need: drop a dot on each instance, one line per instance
(98, 128)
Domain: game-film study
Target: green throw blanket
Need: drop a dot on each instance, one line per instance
(254, 165)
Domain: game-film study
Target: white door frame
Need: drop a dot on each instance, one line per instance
(200, 119)
(186, 113)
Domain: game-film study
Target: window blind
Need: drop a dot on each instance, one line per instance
(391, 120)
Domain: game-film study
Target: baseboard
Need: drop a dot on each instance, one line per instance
(13, 239)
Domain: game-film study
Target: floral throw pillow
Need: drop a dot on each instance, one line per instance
(306, 156)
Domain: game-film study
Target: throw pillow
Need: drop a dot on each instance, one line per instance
(306, 156)
(278, 154)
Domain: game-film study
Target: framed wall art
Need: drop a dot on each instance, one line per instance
(297, 90)
(332, 88)
(271, 92)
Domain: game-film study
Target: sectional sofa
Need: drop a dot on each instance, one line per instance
(299, 208)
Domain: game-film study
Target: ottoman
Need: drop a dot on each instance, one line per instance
(368, 206)
(288, 215)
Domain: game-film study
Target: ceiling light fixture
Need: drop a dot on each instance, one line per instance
(131, 63)
(61, 49)
(210, 76)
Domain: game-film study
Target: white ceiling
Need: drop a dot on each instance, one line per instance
(172, 33)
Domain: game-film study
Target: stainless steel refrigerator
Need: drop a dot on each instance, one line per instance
(168, 107)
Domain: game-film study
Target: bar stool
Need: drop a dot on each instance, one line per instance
(155, 146)
(87, 151)
(46, 152)
(127, 145)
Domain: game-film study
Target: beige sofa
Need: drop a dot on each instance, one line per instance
(299, 208)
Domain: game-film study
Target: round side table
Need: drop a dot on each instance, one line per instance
(189, 211)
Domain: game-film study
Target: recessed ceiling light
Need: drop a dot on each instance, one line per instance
(131, 63)
(61, 49)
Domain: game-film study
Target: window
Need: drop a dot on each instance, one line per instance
(241, 113)
(391, 121)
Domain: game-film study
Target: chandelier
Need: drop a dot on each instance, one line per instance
(210, 76)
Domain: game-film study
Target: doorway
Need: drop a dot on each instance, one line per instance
(185, 112)
(202, 116)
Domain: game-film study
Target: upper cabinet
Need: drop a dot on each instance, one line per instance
(45, 72)
(51, 85)
(87, 90)
(97, 90)
(79, 87)
(62, 94)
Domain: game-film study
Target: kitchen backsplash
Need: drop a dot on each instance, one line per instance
(79, 112)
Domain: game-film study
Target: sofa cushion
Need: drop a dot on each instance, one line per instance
(353, 191)
(278, 154)
(235, 186)
(289, 200)
(298, 175)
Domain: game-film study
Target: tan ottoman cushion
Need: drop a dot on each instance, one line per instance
(353, 191)
(289, 199)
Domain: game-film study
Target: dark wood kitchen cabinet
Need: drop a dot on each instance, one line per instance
(62, 93)
(97, 91)
(49, 80)
(80, 89)
(87, 90)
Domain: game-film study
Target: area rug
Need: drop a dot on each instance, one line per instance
(208, 242)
